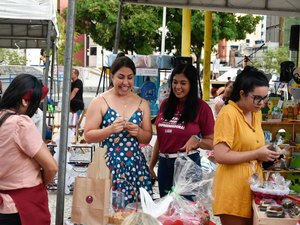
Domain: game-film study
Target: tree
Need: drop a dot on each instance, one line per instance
(271, 60)
(12, 57)
(225, 26)
(139, 25)
(62, 40)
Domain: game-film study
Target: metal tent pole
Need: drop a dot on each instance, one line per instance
(63, 145)
(46, 72)
(52, 70)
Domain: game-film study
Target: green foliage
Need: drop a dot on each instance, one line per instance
(12, 57)
(246, 25)
(271, 60)
(139, 25)
(224, 26)
(62, 40)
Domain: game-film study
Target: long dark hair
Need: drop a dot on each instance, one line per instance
(190, 104)
(15, 92)
(247, 80)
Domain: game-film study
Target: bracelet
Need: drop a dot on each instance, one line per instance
(197, 138)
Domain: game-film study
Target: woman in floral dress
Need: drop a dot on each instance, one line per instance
(124, 121)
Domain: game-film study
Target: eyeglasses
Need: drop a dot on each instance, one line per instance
(258, 99)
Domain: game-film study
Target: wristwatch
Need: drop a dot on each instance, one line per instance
(197, 138)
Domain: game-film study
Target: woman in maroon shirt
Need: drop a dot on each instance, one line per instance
(184, 123)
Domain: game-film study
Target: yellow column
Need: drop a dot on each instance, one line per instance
(186, 32)
(207, 52)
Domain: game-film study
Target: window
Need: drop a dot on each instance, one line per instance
(93, 51)
(257, 42)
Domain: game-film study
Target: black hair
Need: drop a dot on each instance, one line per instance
(247, 80)
(190, 104)
(12, 97)
(122, 61)
(120, 54)
(76, 71)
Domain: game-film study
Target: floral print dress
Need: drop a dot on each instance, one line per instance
(125, 160)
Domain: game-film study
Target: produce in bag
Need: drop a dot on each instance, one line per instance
(189, 180)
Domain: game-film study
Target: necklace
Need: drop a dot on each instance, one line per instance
(123, 102)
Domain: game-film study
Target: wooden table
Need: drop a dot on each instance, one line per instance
(260, 218)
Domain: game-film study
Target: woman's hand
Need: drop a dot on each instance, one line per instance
(191, 144)
(265, 154)
(152, 173)
(132, 128)
(118, 125)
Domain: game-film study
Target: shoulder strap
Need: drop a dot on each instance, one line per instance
(105, 101)
(5, 116)
(141, 102)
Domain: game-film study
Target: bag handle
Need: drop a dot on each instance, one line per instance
(97, 168)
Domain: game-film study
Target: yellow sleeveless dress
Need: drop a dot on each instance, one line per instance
(231, 189)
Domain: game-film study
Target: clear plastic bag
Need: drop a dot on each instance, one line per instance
(189, 179)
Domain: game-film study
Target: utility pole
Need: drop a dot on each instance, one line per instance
(163, 36)
(118, 28)
(281, 31)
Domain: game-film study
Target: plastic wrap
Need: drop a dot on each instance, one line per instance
(189, 180)
(275, 188)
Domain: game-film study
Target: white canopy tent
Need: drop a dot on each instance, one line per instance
(30, 24)
(24, 23)
(261, 7)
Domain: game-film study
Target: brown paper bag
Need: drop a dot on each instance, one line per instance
(91, 194)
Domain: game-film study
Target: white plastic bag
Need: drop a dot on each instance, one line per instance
(189, 179)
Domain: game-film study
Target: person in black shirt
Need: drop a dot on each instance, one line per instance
(76, 99)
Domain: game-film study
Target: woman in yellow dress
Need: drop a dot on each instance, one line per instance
(239, 147)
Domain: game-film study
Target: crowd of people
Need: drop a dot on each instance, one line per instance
(121, 120)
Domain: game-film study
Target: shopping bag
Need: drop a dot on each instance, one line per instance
(91, 196)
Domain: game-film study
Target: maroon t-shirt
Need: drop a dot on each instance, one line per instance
(172, 136)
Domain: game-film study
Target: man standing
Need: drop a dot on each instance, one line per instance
(216, 67)
(76, 99)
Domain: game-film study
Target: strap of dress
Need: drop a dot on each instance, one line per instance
(105, 101)
(141, 102)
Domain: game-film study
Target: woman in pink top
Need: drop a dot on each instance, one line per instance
(26, 163)
(220, 100)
